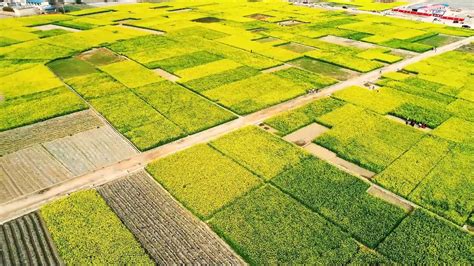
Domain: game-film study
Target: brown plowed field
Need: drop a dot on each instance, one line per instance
(170, 233)
(19, 138)
(25, 241)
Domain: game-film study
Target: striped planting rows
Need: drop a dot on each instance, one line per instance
(43, 165)
(25, 241)
(19, 138)
(90, 150)
(29, 170)
(170, 233)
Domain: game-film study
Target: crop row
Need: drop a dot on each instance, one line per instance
(168, 232)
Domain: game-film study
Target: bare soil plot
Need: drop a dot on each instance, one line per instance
(329, 156)
(25, 241)
(100, 56)
(362, 45)
(306, 134)
(166, 75)
(29, 170)
(323, 68)
(390, 197)
(22, 137)
(290, 22)
(156, 32)
(258, 16)
(170, 233)
(277, 68)
(54, 27)
(297, 47)
(90, 150)
(347, 42)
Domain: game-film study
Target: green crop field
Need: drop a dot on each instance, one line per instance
(203, 179)
(342, 199)
(86, 230)
(262, 153)
(258, 132)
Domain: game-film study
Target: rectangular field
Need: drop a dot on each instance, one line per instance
(86, 231)
(168, 232)
(19, 138)
(26, 241)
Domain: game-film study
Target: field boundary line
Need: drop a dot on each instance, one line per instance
(99, 115)
(33, 201)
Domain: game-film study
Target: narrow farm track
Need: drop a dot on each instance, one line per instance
(169, 232)
(25, 241)
(101, 176)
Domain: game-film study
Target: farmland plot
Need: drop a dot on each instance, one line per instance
(259, 151)
(19, 138)
(86, 231)
(25, 241)
(369, 140)
(203, 179)
(39, 107)
(268, 226)
(447, 190)
(255, 93)
(89, 150)
(168, 232)
(294, 119)
(186, 109)
(423, 238)
(29, 170)
(405, 173)
(341, 198)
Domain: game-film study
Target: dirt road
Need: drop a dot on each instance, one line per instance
(28, 203)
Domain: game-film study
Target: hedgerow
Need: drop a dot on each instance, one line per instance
(203, 179)
(189, 111)
(259, 151)
(268, 226)
(292, 120)
(86, 231)
(370, 140)
(341, 198)
(423, 238)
